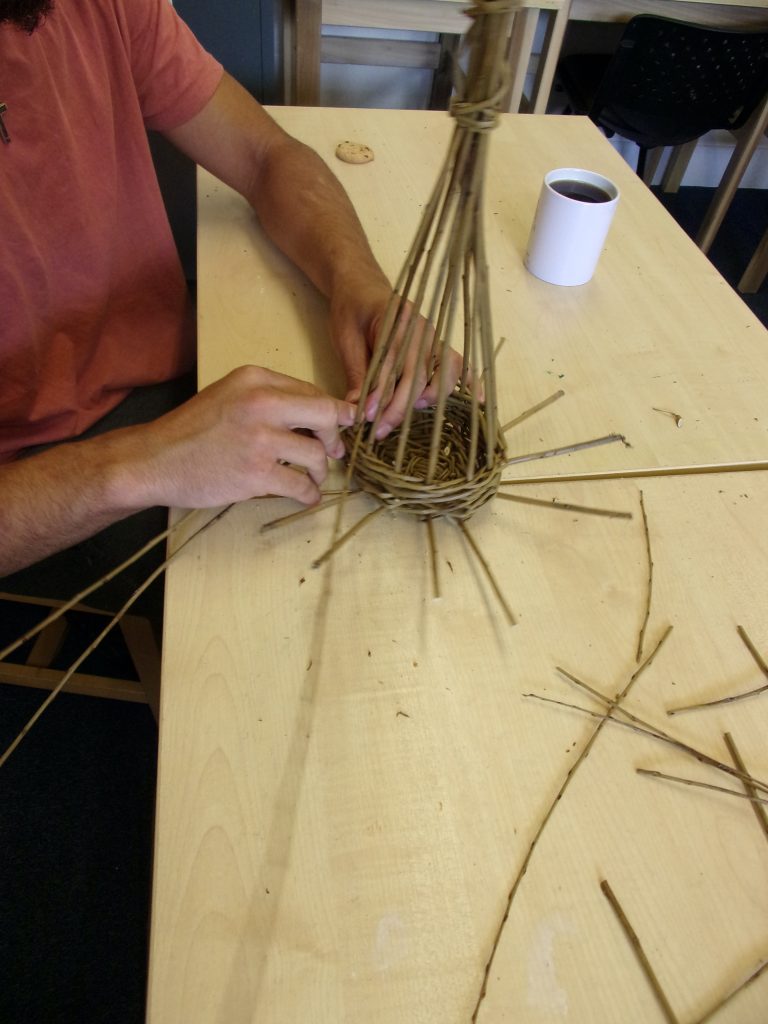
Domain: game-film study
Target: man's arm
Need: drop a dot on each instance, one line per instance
(235, 440)
(306, 212)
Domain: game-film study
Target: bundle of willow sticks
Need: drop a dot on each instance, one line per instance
(445, 460)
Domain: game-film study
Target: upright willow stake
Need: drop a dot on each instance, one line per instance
(447, 460)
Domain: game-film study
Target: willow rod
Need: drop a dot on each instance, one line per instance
(68, 605)
(637, 949)
(614, 705)
(733, 698)
(107, 629)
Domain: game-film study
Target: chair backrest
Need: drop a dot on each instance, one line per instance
(670, 81)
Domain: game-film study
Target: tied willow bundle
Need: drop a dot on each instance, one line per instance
(446, 460)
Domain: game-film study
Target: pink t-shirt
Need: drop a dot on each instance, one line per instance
(92, 296)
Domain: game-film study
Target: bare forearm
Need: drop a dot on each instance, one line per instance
(235, 440)
(306, 212)
(53, 500)
(298, 200)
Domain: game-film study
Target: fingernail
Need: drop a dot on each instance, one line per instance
(371, 408)
(420, 403)
(382, 431)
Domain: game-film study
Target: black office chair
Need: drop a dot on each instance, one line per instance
(669, 82)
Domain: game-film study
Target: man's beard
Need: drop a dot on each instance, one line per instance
(24, 14)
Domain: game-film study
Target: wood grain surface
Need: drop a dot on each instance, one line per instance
(350, 772)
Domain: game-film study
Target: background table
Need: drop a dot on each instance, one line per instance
(350, 775)
(446, 17)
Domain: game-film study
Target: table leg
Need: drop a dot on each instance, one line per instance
(550, 54)
(519, 56)
(306, 52)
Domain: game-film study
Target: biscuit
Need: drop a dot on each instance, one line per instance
(354, 153)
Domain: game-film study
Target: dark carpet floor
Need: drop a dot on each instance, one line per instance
(77, 799)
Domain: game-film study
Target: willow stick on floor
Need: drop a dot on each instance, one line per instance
(105, 632)
(614, 705)
(733, 698)
(649, 582)
(749, 789)
(564, 506)
(91, 588)
(532, 411)
(637, 949)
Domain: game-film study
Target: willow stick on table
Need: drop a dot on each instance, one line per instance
(749, 789)
(564, 506)
(649, 582)
(653, 774)
(733, 698)
(567, 449)
(615, 704)
(722, 1003)
(532, 411)
(666, 1008)
(637, 724)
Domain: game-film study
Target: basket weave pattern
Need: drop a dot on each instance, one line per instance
(446, 460)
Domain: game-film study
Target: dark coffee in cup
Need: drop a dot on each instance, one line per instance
(582, 191)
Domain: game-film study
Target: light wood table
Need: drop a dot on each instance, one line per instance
(350, 775)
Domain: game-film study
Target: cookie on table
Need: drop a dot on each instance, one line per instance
(354, 152)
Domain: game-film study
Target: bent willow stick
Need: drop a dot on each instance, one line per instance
(613, 705)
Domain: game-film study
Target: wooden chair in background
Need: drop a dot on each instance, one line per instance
(35, 666)
(307, 48)
(668, 84)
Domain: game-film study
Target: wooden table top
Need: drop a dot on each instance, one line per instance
(350, 774)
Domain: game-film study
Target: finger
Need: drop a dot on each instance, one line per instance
(320, 414)
(394, 414)
(307, 453)
(430, 393)
(288, 482)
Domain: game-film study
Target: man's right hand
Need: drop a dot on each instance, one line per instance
(238, 438)
(254, 432)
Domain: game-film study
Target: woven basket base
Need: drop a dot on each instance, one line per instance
(450, 493)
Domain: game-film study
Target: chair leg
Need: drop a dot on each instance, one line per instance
(442, 80)
(749, 137)
(757, 269)
(652, 161)
(35, 670)
(641, 161)
(677, 165)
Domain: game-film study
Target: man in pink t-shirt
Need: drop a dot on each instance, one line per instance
(92, 297)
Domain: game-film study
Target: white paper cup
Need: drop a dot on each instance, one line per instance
(570, 226)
